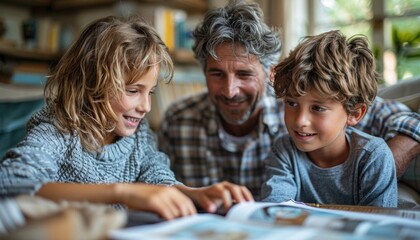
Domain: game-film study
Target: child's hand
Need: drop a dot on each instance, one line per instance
(168, 202)
(211, 197)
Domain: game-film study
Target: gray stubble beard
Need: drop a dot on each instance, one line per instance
(246, 116)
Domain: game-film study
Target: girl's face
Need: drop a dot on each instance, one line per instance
(317, 126)
(133, 105)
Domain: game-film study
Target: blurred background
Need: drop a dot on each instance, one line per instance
(392, 26)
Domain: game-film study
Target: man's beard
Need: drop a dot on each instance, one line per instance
(244, 117)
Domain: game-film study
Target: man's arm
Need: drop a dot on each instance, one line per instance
(404, 149)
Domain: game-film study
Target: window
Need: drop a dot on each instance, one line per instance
(392, 26)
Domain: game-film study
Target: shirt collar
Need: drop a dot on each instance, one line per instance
(271, 117)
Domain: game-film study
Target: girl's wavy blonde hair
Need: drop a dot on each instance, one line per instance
(337, 68)
(110, 53)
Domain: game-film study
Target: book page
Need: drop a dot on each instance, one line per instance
(214, 227)
(292, 213)
(288, 220)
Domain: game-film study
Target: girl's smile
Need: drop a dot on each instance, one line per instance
(133, 105)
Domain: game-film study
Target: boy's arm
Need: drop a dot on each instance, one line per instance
(398, 125)
(279, 178)
(377, 182)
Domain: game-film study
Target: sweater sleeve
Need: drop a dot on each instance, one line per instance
(155, 167)
(31, 163)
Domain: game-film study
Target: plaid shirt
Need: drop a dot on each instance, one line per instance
(199, 155)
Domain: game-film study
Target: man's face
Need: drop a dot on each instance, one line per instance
(235, 83)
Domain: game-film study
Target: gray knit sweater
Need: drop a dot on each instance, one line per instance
(47, 155)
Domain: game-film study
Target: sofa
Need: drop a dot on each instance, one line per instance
(17, 104)
(407, 92)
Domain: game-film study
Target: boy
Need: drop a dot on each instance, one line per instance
(327, 84)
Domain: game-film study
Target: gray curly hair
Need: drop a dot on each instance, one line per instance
(237, 22)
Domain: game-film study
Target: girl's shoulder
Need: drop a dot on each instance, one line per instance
(41, 129)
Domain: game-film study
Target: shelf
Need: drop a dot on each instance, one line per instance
(198, 6)
(23, 54)
(26, 3)
(63, 5)
(41, 7)
(184, 56)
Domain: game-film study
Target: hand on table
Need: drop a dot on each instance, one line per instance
(168, 202)
(211, 197)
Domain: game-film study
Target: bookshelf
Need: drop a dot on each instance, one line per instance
(57, 11)
(31, 55)
(192, 6)
(18, 58)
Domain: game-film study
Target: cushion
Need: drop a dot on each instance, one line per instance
(407, 196)
(407, 92)
(411, 176)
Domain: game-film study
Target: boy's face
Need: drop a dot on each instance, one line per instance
(317, 126)
(235, 83)
(133, 105)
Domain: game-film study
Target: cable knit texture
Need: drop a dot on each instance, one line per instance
(47, 155)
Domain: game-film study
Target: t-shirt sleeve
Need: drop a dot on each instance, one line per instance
(279, 175)
(378, 180)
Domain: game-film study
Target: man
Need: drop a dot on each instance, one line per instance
(226, 132)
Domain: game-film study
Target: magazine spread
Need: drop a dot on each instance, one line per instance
(287, 220)
(299, 214)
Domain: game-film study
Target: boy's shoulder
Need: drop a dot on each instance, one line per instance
(284, 141)
(361, 140)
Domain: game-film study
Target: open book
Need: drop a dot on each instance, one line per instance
(287, 220)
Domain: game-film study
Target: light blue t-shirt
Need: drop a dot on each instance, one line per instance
(367, 177)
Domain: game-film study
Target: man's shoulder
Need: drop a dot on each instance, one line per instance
(379, 104)
(192, 106)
